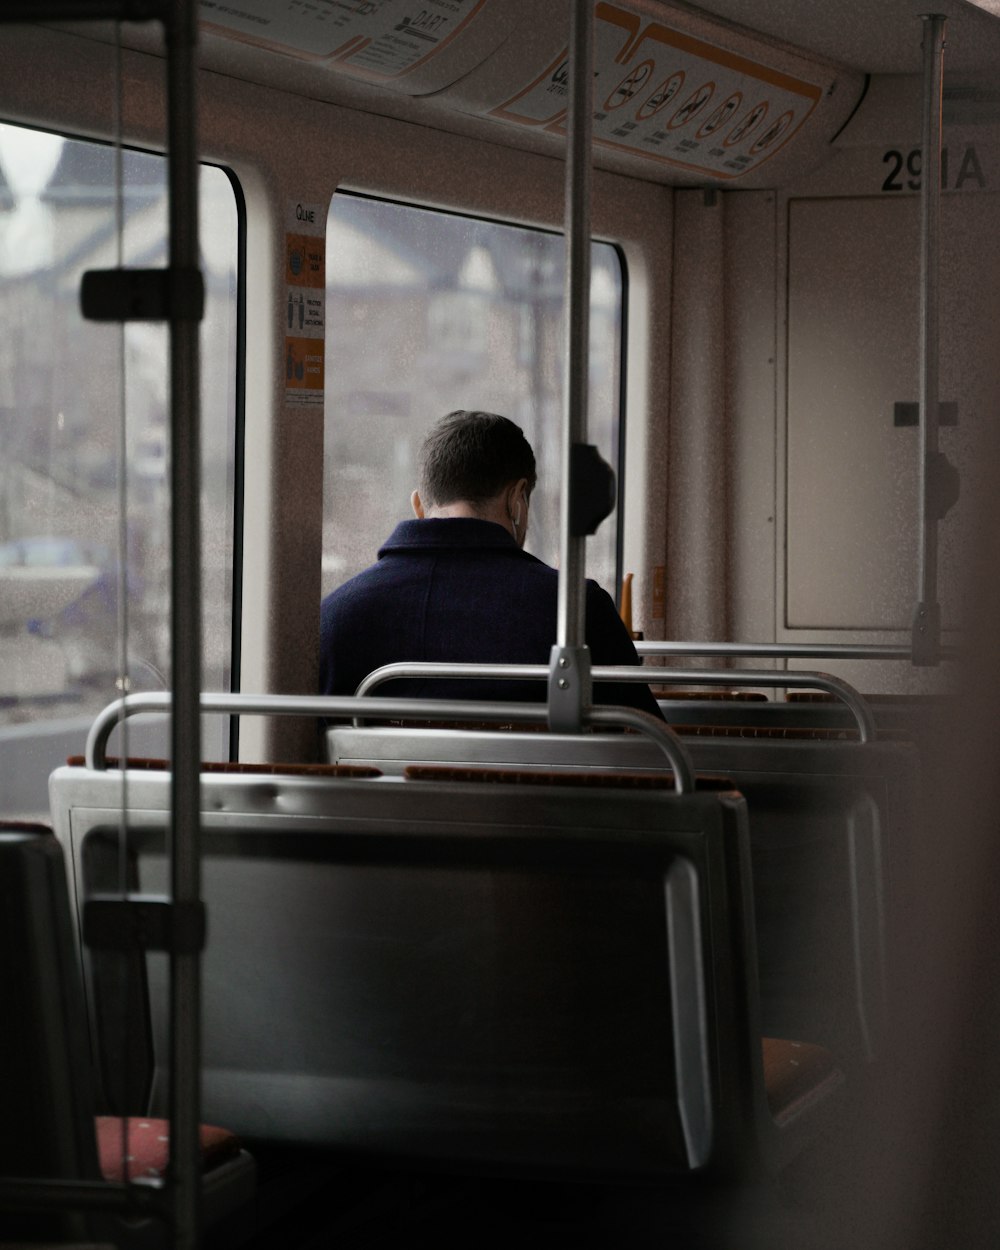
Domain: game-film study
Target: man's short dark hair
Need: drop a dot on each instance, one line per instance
(473, 456)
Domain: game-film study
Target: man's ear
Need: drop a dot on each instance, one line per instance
(416, 505)
(517, 499)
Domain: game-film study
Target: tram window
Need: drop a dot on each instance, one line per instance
(430, 311)
(63, 384)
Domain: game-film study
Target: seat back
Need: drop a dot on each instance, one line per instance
(558, 980)
(48, 1126)
(823, 816)
(827, 820)
(46, 1109)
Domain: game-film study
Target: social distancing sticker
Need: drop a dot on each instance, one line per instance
(304, 370)
(305, 303)
(667, 96)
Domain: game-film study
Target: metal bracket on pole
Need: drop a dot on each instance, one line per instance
(926, 628)
(570, 688)
(142, 295)
(145, 922)
(925, 635)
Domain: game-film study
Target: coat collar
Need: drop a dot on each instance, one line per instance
(448, 533)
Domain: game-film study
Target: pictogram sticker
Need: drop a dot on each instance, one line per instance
(773, 133)
(629, 86)
(304, 260)
(304, 365)
(692, 106)
(661, 97)
(718, 117)
(747, 125)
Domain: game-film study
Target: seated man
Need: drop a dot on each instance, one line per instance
(455, 584)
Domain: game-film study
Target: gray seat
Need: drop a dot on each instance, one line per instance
(50, 1129)
(823, 817)
(829, 822)
(497, 977)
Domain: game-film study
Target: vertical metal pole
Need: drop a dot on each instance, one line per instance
(185, 604)
(569, 683)
(926, 632)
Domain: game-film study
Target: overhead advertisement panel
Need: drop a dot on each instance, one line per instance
(672, 98)
(378, 40)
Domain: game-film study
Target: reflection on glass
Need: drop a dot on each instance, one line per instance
(428, 312)
(62, 381)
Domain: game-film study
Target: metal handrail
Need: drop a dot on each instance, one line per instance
(636, 673)
(410, 709)
(180, 27)
(840, 689)
(926, 630)
(576, 376)
(787, 650)
(185, 1062)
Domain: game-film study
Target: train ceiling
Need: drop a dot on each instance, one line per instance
(738, 93)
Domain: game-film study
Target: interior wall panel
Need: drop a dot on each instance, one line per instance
(852, 469)
(696, 503)
(751, 364)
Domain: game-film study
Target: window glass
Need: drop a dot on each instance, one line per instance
(63, 381)
(431, 311)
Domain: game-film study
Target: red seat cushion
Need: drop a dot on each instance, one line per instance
(137, 763)
(796, 1073)
(24, 826)
(147, 1148)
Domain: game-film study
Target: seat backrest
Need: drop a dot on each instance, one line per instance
(823, 816)
(48, 1127)
(46, 1107)
(558, 978)
(828, 819)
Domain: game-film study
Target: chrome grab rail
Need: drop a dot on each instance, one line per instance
(840, 689)
(787, 650)
(569, 683)
(636, 673)
(413, 709)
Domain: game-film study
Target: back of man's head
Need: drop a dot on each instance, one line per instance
(472, 456)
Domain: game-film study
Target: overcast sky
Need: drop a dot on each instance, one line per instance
(28, 158)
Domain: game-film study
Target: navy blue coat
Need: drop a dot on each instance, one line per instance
(462, 590)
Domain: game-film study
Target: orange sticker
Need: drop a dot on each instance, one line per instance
(305, 260)
(304, 364)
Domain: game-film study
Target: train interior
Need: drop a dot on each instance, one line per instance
(378, 970)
